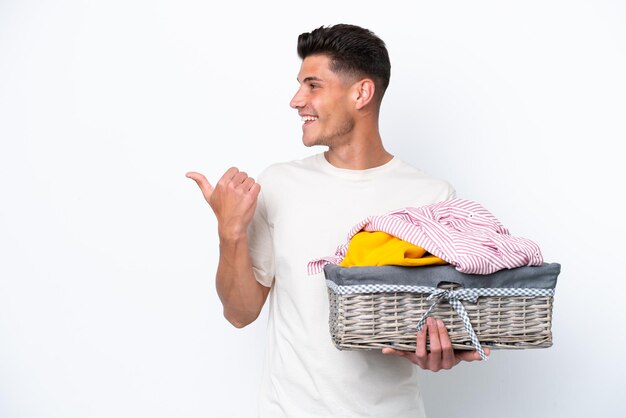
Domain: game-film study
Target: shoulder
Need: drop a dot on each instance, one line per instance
(281, 170)
(416, 178)
(285, 186)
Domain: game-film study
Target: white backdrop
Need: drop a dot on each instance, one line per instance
(107, 252)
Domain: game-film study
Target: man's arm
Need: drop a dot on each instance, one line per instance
(241, 295)
(234, 200)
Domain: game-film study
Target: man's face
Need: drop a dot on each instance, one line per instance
(324, 104)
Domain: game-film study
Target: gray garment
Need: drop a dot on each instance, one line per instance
(538, 277)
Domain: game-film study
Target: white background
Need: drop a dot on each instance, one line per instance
(108, 253)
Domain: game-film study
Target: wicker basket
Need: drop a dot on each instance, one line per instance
(366, 311)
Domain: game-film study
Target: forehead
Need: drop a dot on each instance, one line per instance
(318, 67)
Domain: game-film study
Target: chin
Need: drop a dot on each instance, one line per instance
(309, 142)
(318, 140)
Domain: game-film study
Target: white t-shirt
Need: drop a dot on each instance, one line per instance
(305, 210)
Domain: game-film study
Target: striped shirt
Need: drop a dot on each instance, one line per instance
(459, 231)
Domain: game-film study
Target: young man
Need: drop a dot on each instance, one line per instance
(300, 211)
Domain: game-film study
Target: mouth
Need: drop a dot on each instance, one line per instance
(308, 119)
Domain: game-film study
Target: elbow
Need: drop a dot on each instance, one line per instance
(238, 323)
(238, 320)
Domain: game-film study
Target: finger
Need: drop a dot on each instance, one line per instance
(255, 190)
(228, 176)
(202, 183)
(434, 357)
(247, 184)
(463, 355)
(239, 178)
(433, 336)
(420, 343)
(447, 353)
(392, 351)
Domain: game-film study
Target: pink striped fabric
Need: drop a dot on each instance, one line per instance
(459, 231)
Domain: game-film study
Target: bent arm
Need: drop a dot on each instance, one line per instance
(233, 200)
(241, 295)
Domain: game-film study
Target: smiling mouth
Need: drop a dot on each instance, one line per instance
(308, 119)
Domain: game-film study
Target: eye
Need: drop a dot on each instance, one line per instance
(313, 86)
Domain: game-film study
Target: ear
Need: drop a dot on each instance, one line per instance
(363, 92)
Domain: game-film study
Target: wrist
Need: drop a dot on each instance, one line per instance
(232, 237)
(232, 232)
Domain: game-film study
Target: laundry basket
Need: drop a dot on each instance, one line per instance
(376, 307)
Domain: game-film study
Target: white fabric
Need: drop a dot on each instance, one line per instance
(305, 209)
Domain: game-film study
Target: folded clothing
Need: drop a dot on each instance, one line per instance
(379, 248)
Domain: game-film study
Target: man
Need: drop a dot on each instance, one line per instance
(303, 210)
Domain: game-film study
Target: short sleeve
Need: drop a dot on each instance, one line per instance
(451, 193)
(260, 245)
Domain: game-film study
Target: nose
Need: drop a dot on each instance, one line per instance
(297, 101)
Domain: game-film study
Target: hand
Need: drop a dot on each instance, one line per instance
(441, 355)
(233, 200)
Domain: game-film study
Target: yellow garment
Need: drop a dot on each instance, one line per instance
(382, 249)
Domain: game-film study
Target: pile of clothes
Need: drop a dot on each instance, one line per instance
(459, 232)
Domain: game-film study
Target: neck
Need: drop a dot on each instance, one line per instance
(359, 156)
(363, 147)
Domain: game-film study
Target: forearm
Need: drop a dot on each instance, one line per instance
(241, 295)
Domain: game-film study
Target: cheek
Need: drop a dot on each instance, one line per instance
(330, 108)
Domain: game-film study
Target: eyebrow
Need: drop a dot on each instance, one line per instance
(309, 79)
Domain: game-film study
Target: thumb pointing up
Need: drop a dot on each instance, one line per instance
(203, 184)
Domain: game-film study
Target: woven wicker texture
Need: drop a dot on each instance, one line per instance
(377, 320)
